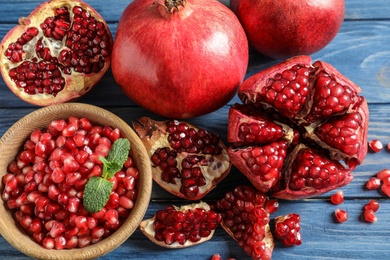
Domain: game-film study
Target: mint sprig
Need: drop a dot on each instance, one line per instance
(98, 189)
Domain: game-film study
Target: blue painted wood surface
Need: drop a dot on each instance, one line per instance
(361, 51)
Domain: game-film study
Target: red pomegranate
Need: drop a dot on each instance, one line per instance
(178, 227)
(187, 161)
(297, 122)
(57, 53)
(179, 59)
(245, 218)
(286, 28)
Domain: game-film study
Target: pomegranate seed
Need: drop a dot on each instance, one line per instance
(45, 187)
(372, 205)
(126, 202)
(72, 242)
(97, 232)
(84, 241)
(369, 216)
(112, 216)
(59, 242)
(375, 145)
(48, 243)
(272, 206)
(57, 228)
(386, 189)
(337, 198)
(341, 215)
(373, 183)
(382, 174)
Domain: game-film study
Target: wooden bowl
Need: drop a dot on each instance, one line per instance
(10, 145)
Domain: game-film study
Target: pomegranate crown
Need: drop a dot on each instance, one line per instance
(171, 5)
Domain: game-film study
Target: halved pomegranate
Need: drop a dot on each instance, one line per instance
(245, 219)
(178, 227)
(186, 161)
(297, 122)
(57, 53)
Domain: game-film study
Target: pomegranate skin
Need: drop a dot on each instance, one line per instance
(286, 28)
(183, 63)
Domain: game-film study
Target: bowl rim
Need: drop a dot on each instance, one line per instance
(10, 144)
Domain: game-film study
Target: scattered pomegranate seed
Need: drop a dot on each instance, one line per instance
(337, 198)
(375, 145)
(382, 174)
(372, 205)
(46, 192)
(373, 183)
(272, 206)
(369, 216)
(386, 189)
(341, 215)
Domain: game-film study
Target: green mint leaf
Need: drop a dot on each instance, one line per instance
(119, 152)
(98, 189)
(116, 157)
(96, 194)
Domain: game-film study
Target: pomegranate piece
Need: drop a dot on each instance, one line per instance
(341, 215)
(287, 229)
(309, 174)
(337, 198)
(186, 161)
(175, 227)
(57, 53)
(245, 219)
(44, 185)
(375, 146)
(318, 116)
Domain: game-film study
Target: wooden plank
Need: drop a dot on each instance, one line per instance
(322, 237)
(217, 122)
(355, 9)
(361, 55)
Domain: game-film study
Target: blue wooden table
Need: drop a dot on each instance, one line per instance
(361, 51)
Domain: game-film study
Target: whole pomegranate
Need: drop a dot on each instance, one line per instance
(57, 53)
(187, 161)
(286, 28)
(297, 122)
(179, 58)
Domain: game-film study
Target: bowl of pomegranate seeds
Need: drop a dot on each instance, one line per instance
(75, 182)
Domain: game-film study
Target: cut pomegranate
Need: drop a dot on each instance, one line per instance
(337, 198)
(245, 219)
(175, 227)
(57, 53)
(287, 229)
(186, 161)
(51, 180)
(341, 215)
(315, 118)
(375, 146)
